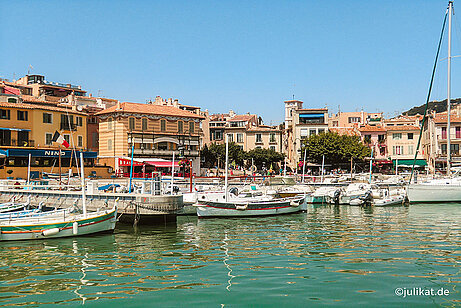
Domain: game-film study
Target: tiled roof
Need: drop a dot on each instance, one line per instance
(150, 109)
(370, 128)
(263, 128)
(349, 131)
(33, 99)
(41, 107)
(402, 127)
(242, 117)
(442, 118)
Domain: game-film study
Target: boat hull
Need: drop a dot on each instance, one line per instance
(434, 193)
(214, 209)
(58, 228)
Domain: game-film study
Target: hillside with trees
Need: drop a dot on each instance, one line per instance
(437, 106)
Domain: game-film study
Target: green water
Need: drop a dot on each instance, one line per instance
(329, 256)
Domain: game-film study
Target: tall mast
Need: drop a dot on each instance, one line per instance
(450, 10)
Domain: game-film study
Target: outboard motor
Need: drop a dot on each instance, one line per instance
(367, 198)
(336, 196)
(234, 191)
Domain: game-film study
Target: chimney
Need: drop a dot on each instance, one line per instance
(91, 95)
(176, 103)
(158, 100)
(119, 106)
(170, 101)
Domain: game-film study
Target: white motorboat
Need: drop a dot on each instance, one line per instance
(390, 201)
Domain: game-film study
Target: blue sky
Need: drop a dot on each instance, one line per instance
(248, 56)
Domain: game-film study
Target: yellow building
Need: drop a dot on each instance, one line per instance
(155, 131)
(29, 128)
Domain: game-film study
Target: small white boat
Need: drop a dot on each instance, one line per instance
(245, 208)
(12, 206)
(389, 201)
(42, 227)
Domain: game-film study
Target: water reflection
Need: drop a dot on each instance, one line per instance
(320, 254)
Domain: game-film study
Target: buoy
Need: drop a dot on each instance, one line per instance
(50, 232)
(75, 228)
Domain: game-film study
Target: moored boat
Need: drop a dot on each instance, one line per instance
(242, 208)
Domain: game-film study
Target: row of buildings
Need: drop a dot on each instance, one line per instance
(110, 132)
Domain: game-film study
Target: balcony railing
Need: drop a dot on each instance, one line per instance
(18, 143)
(164, 152)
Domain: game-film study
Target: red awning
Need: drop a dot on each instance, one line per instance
(165, 164)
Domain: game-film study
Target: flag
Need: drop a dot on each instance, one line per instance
(60, 139)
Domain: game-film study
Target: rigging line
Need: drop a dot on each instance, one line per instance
(428, 97)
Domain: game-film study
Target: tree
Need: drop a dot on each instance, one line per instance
(264, 156)
(336, 148)
(216, 152)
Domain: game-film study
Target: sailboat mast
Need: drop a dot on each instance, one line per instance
(450, 12)
(227, 166)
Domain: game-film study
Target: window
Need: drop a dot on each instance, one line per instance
(109, 123)
(272, 137)
(367, 138)
(163, 146)
(303, 133)
(410, 136)
(444, 133)
(312, 131)
(144, 124)
(22, 115)
(397, 136)
(162, 125)
(410, 150)
(240, 138)
(180, 126)
(321, 130)
(4, 114)
(191, 127)
(79, 121)
(272, 148)
(397, 150)
(94, 140)
(259, 138)
(354, 119)
(458, 132)
(131, 123)
(381, 138)
(12, 100)
(47, 118)
(80, 141)
(48, 138)
(109, 144)
(67, 138)
(335, 123)
(230, 137)
(218, 135)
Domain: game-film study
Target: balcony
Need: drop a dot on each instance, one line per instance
(69, 127)
(157, 152)
(18, 143)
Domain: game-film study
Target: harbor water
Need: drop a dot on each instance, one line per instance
(329, 256)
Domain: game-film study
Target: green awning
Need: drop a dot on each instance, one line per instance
(409, 162)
